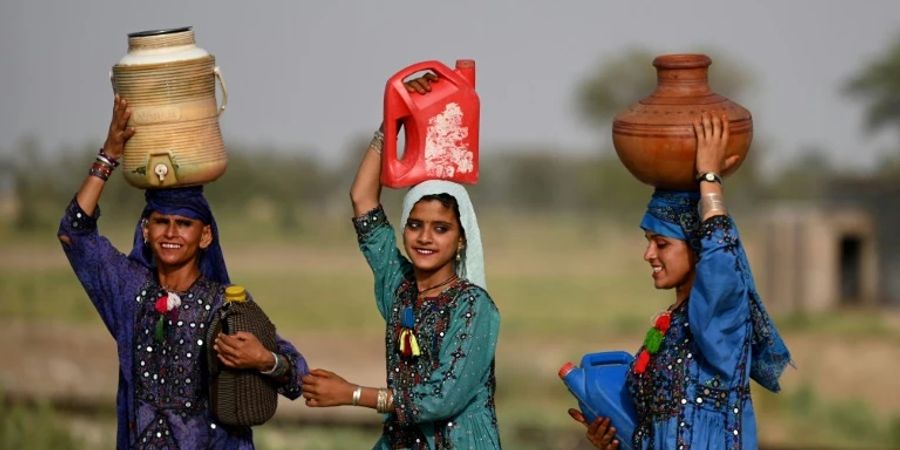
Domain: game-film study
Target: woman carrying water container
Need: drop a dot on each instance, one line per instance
(158, 302)
(690, 381)
(441, 324)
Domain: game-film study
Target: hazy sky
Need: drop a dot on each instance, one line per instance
(310, 75)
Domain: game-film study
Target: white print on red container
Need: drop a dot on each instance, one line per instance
(446, 152)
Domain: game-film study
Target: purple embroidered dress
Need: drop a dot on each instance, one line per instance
(162, 400)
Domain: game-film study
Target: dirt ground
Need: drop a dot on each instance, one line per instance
(72, 362)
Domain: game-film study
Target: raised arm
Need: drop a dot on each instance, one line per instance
(103, 271)
(365, 193)
(712, 141)
(119, 133)
(718, 310)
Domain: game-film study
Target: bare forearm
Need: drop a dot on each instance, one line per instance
(365, 194)
(89, 194)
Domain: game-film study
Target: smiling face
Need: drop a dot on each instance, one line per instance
(671, 261)
(175, 240)
(432, 236)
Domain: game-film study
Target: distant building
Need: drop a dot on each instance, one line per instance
(842, 252)
(881, 199)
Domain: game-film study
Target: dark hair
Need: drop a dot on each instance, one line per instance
(449, 202)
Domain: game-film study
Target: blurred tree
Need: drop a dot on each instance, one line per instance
(806, 178)
(878, 85)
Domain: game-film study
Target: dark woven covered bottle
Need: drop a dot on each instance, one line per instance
(241, 396)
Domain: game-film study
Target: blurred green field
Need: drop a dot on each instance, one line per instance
(565, 286)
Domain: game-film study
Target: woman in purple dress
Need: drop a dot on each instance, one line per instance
(157, 303)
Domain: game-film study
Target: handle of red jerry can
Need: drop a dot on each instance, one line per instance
(397, 104)
(605, 358)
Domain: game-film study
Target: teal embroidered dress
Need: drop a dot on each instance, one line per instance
(444, 398)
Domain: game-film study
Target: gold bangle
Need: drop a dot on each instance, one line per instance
(385, 401)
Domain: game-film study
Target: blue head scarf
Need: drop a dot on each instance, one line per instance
(674, 214)
(188, 202)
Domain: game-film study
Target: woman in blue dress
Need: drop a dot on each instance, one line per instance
(690, 381)
(441, 324)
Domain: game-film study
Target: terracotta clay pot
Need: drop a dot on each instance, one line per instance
(170, 86)
(655, 139)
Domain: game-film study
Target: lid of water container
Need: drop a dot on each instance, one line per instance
(159, 32)
(565, 369)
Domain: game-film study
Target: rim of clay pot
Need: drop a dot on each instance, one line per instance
(682, 61)
(159, 32)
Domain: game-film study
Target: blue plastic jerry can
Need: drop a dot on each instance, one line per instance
(599, 387)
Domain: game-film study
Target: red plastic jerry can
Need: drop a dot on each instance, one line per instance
(441, 127)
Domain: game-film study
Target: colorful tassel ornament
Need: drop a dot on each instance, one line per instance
(640, 364)
(653, 341)
(409, 346)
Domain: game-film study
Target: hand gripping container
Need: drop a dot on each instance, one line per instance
(599, 387)
(441, 127)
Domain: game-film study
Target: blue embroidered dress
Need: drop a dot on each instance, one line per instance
(695, 392)
(162, 400)
(444, 398)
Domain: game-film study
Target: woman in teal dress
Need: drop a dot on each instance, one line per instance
(690, 381)
(441, 324)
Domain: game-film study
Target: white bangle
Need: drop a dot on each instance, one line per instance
(273, 369)
(357, 393)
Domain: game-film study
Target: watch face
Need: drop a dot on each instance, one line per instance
(710, 177)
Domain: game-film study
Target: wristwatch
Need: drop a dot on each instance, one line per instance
(711, 177)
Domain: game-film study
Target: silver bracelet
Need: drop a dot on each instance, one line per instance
(104, 160)
(712, 202)
(357, 393)
(274, 368)
(377, 142)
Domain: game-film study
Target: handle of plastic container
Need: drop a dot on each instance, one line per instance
(224, 90)
(442, 71)
(604, 358)
(393, 100)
